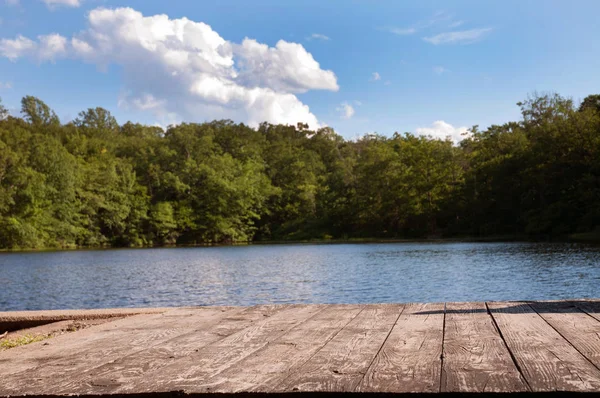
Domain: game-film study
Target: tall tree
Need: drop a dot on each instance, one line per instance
(590, 102)
(95, 183)
(97, 119)
(36, 112)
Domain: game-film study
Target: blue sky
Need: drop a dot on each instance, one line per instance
(422, 66)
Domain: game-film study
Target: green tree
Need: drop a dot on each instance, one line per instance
(36, 112)
(3, 111)
(590, 102)
(97, 120)
(95, 183)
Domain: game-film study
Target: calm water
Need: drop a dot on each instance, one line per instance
(360, 273)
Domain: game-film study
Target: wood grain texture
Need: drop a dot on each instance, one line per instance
(61, 347)
(475, 356)
(212, 359)
(341, 364)
(383, 348)
(124, 371)
(264, 369)
(80, 355)
(548, 361)
(591, 307)
(409, 360)
(579, 328)
(22, 358)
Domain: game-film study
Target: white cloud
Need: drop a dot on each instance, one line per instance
(142, 103)
(11, 2)
(47, 48)
(317, 36)
(459, 37)
(287, 67)
(5, 85)
(189, 71)
(67, 3)
(438, 70)
(440, 129)
(16, 48)
(387, 83)
(51, 47)
(346, 110)
(375, 76)
(82, 48)
(456, 24)
(401, 31)
(437, 18)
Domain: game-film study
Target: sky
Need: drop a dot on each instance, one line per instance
(422, 66)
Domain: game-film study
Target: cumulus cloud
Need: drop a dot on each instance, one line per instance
(459, 37)
(11, 2)
(346, 110)
(66, 3)
(375, 76)
(442, 130)
(51, 47)
(318, 36)
(184, 69)
(287, 67)
(5, 85)
(47, 48)
(16, 48)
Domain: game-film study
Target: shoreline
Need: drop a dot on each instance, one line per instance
(15, 320)
(583, 238)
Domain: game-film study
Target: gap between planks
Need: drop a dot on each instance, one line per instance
(432, 348)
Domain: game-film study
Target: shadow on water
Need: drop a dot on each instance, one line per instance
(530, 307)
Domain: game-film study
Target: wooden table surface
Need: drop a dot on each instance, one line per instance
(494, 347)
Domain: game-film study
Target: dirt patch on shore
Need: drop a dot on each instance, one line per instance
(21, 337)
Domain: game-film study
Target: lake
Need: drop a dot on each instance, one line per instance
(300, 273)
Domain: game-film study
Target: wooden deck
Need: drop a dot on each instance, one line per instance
(496, 347)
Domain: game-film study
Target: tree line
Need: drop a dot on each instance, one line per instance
(94, 183)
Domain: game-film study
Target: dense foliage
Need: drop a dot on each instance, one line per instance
(93, 182)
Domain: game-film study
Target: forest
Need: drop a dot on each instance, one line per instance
(94, 183)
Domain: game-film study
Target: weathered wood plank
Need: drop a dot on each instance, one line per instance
(591, 307)
(321, 348)
(548, 361)
(475, 356)
(51, 376)
(341, 364)
(409, 360)
(61, 347)
(263, 369)
(195, 355)
(577, 327)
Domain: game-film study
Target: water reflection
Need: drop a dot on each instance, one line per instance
(362, 273)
